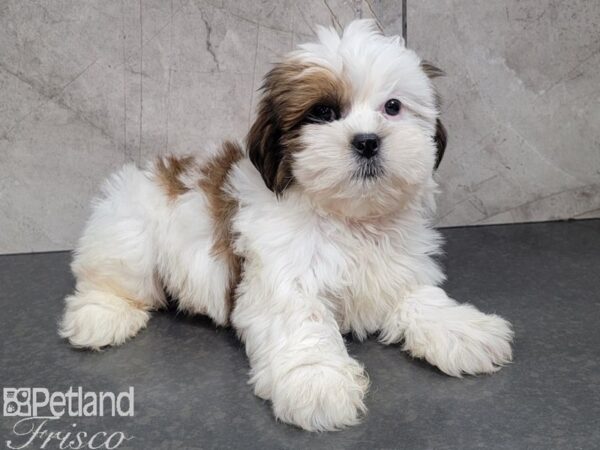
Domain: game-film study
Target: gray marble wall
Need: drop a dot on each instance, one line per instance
(522, 105)
(87, 85)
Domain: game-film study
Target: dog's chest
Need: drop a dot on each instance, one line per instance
(360, 270)
(363, 271)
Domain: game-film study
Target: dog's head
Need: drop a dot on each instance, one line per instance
(350, 120)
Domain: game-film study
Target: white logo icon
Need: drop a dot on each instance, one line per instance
(17, 402)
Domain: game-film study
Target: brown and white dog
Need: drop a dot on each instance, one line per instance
(320, 227)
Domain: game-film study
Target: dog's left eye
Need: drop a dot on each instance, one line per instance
(392, 107)
(323, 113)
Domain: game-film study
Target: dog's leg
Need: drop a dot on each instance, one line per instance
(298, 358)
(114, 268)
(457, 338)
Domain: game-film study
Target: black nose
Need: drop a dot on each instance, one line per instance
(366, 144)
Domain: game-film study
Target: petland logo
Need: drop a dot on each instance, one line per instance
(36, 407)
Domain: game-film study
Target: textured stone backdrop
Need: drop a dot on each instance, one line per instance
(87, 85)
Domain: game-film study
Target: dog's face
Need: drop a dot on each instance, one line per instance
(352, 121)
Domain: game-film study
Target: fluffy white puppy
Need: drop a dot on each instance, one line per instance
(320, 227)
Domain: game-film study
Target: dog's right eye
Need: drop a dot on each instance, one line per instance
(323, 113)
(392, 107)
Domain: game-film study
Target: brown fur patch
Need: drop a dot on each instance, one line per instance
(290, 91)
(431, 71)
(441, 140)
(222, 208)
(107, 284)
(441, 135)
(294, 88)
(169, 170)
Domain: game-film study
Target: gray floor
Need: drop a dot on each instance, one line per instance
(190, 378)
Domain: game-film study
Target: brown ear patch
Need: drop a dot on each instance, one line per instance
(441, 140)
(169, 170)
(290, 91)
(431, 71)
(441, 135)
(222, 207)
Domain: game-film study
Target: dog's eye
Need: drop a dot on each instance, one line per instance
(392, 107)
(323, 113)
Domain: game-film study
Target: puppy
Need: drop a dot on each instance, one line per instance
(319, 227)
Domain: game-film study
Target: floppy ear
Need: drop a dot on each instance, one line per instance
(264, 144)
(441, 139)
(431, 71)
(441, 135)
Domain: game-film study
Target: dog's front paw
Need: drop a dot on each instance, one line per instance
(467, 341)
(457, 338)
(320, 397)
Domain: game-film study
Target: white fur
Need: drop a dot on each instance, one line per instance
(137, 244)
(377, 68)
(331, 255)
(457, 338)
